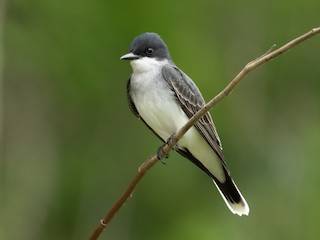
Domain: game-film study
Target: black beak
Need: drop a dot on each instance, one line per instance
(129, 56)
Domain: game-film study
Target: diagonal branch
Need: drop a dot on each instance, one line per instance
(178, 135)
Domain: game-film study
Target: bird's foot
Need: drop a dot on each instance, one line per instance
(170, 142)
(161, 151)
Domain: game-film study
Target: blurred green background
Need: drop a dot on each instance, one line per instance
(70, 145)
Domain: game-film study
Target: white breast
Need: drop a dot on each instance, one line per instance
(153, 98)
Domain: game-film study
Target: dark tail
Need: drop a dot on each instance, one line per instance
(228, 189)
(231, 195)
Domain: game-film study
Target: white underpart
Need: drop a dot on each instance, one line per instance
(157, 106)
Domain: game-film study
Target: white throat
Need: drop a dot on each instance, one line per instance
(145, 64)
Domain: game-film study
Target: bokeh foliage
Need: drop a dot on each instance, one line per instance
(70, 144)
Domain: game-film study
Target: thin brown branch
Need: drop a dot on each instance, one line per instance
(166, 149)
(125, 196)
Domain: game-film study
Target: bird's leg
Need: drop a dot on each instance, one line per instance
(160, 149)
(169, 142)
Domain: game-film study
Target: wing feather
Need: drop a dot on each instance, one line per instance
(191, 101)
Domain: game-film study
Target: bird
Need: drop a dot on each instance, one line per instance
(164, 98)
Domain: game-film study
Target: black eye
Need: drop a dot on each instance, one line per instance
(149, 51)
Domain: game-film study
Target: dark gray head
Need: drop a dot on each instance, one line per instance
(147, 45)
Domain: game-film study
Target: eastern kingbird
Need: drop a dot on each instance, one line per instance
(164, 98)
